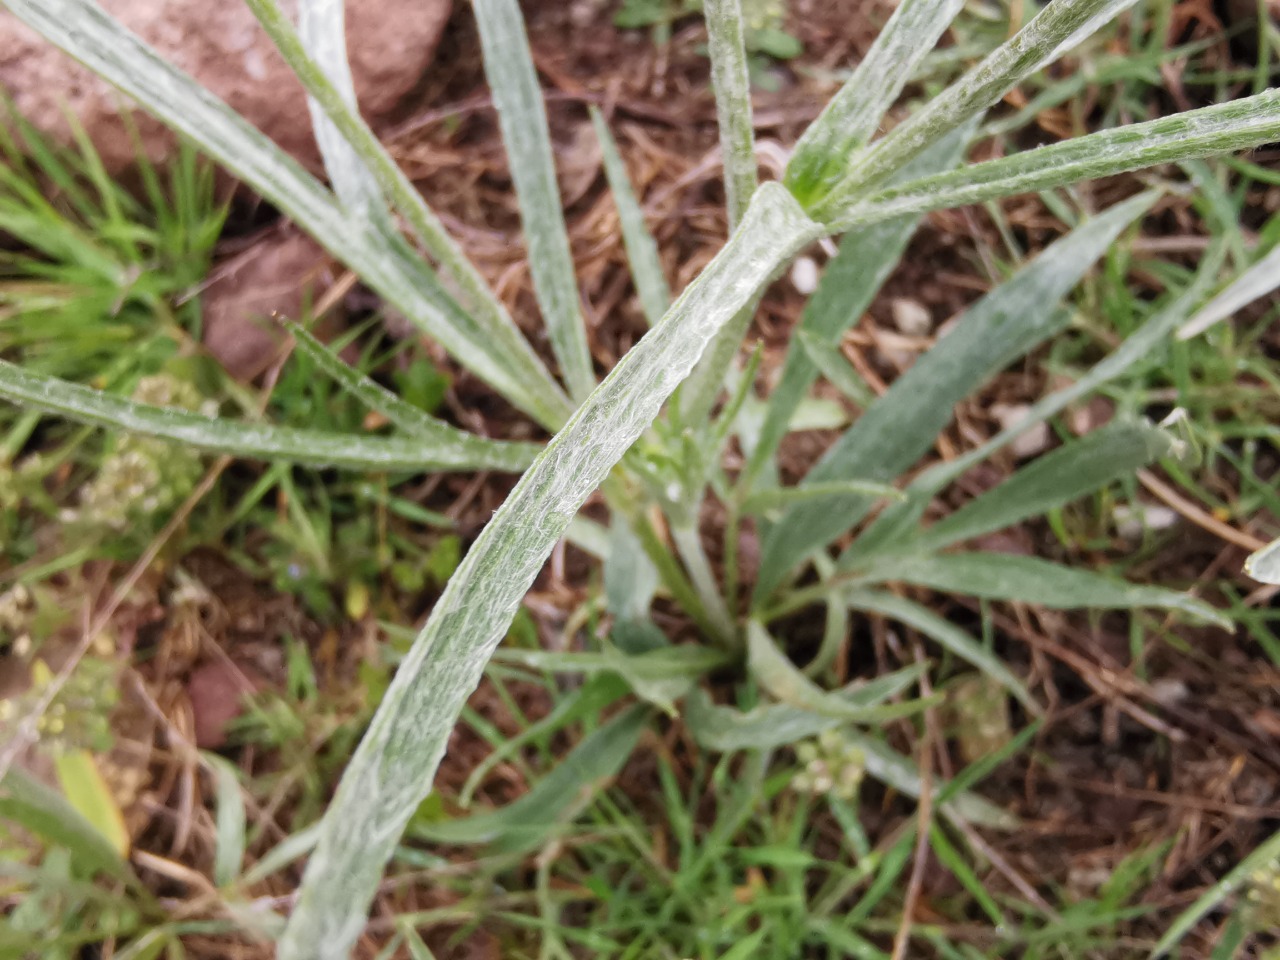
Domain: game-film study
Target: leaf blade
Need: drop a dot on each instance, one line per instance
(523, 121)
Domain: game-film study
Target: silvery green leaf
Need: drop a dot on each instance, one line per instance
(864, 703)
(642, 250)
(895, 526)
(1006, 576)
(945, 634)
(513, 80)
(1264, 565)
(726, 44)
(1259, 280)
(849, 283)
(448, 451)
(896, 430)
(386, 263)
(1057, 478)
(852, 117)
(229, 833)
(1050, 33)
(1223, 128)
(548, 808)
(393, 766)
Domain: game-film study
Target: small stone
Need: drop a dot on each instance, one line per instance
(1028, 444)
(391, 44)
(911, 317)
(804, 275)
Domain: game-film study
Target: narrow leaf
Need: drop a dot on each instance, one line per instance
(1262, 858)
(948, 636)
(774, 497)
(775, 725)
(88, 793)
(864, 703)
(726, 43)
(546, 810)
(849, 283)
(1222, 128)
(898, 522)
(508, 66)
(47, 814)
(1053, 480)
(229, 822)
(386, 263)
(258, 440)
(322, 30)
(642, 250)
(1259, 280)
(393, 766)
(852, 117)
(1050, 33)
(410, 419)
(1001, 576)
(1264, 565)
(895, 431)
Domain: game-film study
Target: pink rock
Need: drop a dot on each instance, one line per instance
(219, 42)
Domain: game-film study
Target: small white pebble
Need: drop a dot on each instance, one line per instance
(911, 317)
(1133, 520)
(1169, 692)
(1035, 440)
(804, 275)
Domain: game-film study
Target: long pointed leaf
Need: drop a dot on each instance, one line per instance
(849, 284)
(946, 635)
(384, 262)
(403, 414)
(1050, 33)
(1264, 565)
(851, 118)
(894, 432)
(642, 251)
(1223, 128)
(898, 521)
(544, 811)
(509, 66)
(1259, 280)
(393, 766)
(862, 704)
(259, 440)
(726, 43)
(1066, 474)
(1003, 576)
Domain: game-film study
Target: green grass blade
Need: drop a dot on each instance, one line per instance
(385, 263)
(849, 284)
(1006, 576)
(363, 149)
(1049, 34)
(259, 440)
(1068, 473)
(948, 636)
(642, 251)
(1260, 859)
(406, 416)
(1223, 128)
(894, 432)
(778, 676)
(1259, 280)
(393, 767)
(508, 65)
(775, 497)
(726, 43)
(852, 117)
(543, 812)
